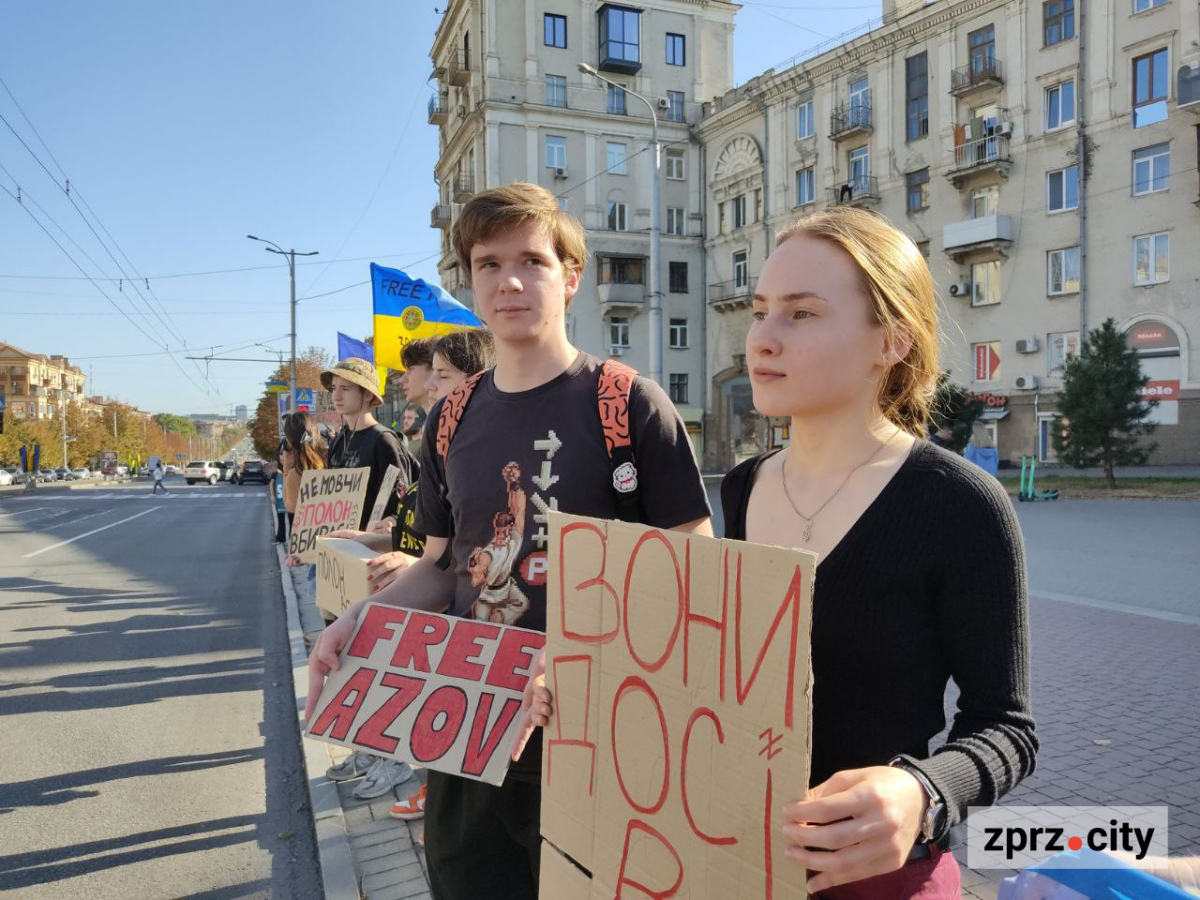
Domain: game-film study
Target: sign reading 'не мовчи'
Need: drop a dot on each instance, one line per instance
(424, 688)
(681, 677)
(328, 500)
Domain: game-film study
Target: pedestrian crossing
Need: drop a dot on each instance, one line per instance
(168, 497)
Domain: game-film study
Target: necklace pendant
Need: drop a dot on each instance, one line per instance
(807, 530)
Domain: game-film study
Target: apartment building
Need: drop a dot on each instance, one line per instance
(34, 384)
(960, 122)
(512, 104)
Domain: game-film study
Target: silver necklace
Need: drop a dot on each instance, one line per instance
(808, 520)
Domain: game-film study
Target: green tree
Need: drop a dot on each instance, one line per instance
(176, 424)
(264, 426)
(1104, 415)
(955, 408)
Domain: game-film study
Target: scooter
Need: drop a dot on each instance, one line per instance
(1027, 490)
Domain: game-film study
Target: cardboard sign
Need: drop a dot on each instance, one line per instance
(341, 574)
(386, 490)
(328, 500)
(680, 671)
(424, 688)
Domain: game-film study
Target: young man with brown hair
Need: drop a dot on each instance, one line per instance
(538, 412)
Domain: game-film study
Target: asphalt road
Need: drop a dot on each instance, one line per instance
(150, 746)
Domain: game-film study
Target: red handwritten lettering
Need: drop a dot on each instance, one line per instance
(718, 624)
(514, 657)
(438, 723)
(339, 715)
(792, 599)
(375, 627)
(701, 713)
(458, 659)
(631, 683)
(623, 879)
(587, 528)
(371, 733)
(481, 745)
(679, 599)
(559, 716)
(422, 632)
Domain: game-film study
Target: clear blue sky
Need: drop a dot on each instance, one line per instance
(186, 127)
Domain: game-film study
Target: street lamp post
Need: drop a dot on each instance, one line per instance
(291, 258)
(656, 325)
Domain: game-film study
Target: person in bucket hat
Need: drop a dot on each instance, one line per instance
(357, 372)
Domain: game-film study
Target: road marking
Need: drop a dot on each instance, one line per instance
(21, 512)
(193, 495)
(89, 533)
(1116, 606)
(76, 521)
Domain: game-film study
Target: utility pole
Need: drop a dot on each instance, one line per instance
(62, 409)
(291, 258)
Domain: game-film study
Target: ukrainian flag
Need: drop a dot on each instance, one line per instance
(407, 309)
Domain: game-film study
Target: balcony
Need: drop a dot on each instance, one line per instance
(620, 298)
(981, 73)
(439, 216)
(464, 188)
(439, 109)
(861, 191)
(988, 155)
(736, 294)
(849, 119)
(458, 68)
(988, 234)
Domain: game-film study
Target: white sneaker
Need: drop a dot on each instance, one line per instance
(384, 775)
(353, 766)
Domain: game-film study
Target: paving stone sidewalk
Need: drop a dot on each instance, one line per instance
(389, 862)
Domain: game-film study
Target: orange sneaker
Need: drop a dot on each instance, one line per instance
(412, 808)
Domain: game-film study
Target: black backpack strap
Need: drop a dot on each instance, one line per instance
(612, 400)
(449, 418)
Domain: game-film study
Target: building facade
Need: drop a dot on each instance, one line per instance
(34, 385)
(513, 105)
(961, 123)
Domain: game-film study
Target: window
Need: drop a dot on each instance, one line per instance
(721, 222)
(985, 283)
(1060, 105)
(1151, 169)
(916, 95)
(806, 186)
(564, 203)
(556, 152)
(1062, 189)
(741, 270)
(617, 217)
(860, 102)
(987, 360)
(621, 270)
(679, 388)
(923, 249)
(676, 53)
(677, 336)
(675, 106)
(675, 220)
(1062, 271)
(739, 211)
(616, 100)
(982, 48)
(1060, 346)
(1058, 21)
(859, 165)
(616, 159)
(618, 331)
(677, 277)
(1143, 5)
(985, 201)
(554, 30)
(619, 34)
(1150, 88)
(806, 123)
(917, 184)
(675, 169)
(1150, 258)
(556, 90)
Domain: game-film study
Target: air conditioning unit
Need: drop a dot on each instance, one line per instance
(1028, 345)
(1026, 383)
(664, 103)
(1187, 85)
(1004, 128)
(615, 350)
(960, 289)
(560, 171)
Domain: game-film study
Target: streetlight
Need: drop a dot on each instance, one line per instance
(656, 328)
(291, 258)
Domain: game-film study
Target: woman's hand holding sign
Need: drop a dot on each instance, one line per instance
(324, 657)
(859, 823)
(385, 568)
(537, 706)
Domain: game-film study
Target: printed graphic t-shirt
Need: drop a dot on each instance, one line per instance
(517, 456)
(377, 447)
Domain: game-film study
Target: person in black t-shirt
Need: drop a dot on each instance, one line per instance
(534, 416)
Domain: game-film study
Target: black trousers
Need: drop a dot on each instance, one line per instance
(482, 841)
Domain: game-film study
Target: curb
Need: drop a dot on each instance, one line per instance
(338, 879)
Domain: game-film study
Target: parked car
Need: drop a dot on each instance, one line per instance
(203, 471)
(47, 475)
(5, 478)
(64, 474)
(252, 470)
(82, 472)
(109, 469)
(171, 470)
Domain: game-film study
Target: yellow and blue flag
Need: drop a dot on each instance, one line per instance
(410, 308)
(349, 347)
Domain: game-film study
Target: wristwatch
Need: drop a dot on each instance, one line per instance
(934, 818)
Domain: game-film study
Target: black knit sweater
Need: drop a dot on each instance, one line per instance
(928, 585)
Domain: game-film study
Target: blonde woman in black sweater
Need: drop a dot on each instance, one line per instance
(921, 572)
